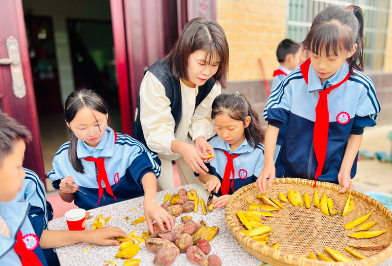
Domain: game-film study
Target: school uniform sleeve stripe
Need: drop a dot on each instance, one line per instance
(140, 166)
(277, 95)
(62, 148)
(369, 86)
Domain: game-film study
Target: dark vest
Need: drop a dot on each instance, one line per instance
(173, 91)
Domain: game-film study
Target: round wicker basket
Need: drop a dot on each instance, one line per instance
(300, 230)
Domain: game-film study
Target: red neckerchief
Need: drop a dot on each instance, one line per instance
(27, 257)
(228, 170)
(321, 125)
(279, 72)
(102, 175)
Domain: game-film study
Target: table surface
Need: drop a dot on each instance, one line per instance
(224, 244)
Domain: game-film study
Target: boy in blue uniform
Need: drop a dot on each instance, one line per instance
(239, 152)
(99, 166)
(19, 243)
(326, 104)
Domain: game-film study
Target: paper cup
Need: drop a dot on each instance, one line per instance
(76, 219)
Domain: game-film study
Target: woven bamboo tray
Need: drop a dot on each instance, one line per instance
(300, 230)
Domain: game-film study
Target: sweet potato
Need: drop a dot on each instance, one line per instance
(214, 260)
(155, 244)
(175, 210)
(182, 192)
(189, 221)
(184, 242)
(185, 218)
(174, 199)
(192, 194)
(165, 257)
(183, 199)
(196, 256)
(170, 235)
(180, 228)
(188, 206)
(204, 245)
(190, 228)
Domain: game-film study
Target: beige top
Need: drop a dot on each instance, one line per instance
(158, 123)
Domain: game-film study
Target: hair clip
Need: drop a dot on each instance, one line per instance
(350, 8)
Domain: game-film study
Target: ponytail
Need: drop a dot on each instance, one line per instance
(356, 61)
(237, 107)
(76, 101)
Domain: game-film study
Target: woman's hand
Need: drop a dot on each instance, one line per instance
(345, 181)
(267, 172)
(213, 183)
(66, 188)
(152, 211)
(104, 236)
(221, 201)
(192, 156)
(204, 147)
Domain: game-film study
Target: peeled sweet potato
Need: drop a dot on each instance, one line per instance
(204, 245)
(188, 206)
(175, 210)
(214, 260)
(196, 256)
(155, 244)
(182, 192)
(192, 194)
(174, 199)
(170, 235)
(165, 205)
(208, 233)
(190, 228)
(165, 257)
(183, 199)
(180, 228)
(184, 242)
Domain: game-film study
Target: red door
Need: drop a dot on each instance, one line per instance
(19, 104)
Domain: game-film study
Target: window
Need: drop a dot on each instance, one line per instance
(301, 13)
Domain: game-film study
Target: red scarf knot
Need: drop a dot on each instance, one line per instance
(27, 257)
(228, 170)
(279, 72)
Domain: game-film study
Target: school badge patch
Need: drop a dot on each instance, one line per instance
(31, 241)
(242, 173)
(116, 178)
(343, 118)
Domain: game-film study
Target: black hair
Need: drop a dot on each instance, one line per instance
(76, 101)
(10, 131)
(338, 29)
(286, 47)
(200, 34)
(237, 107)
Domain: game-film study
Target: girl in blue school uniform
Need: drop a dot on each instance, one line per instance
(326, 104)
(103, 166)
(239, 152)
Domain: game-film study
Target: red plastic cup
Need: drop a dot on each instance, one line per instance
(76, 219)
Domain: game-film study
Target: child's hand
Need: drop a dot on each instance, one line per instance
(103, 236)
(267, 172)
(345, 181)
(66, 188)
(152, 211)
(204, 147)
(213, 183)
(221, 201)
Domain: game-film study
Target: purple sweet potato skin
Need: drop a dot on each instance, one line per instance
(184, 242)
(170, 235)
(190, 228)
(204, 245)
(165, 257)
(156, 244)
(182, 200)
(175, 210)
(196, 256)
(214, 260)
(182, 192)
(165, 205)
(180, 228)
(188, 206)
